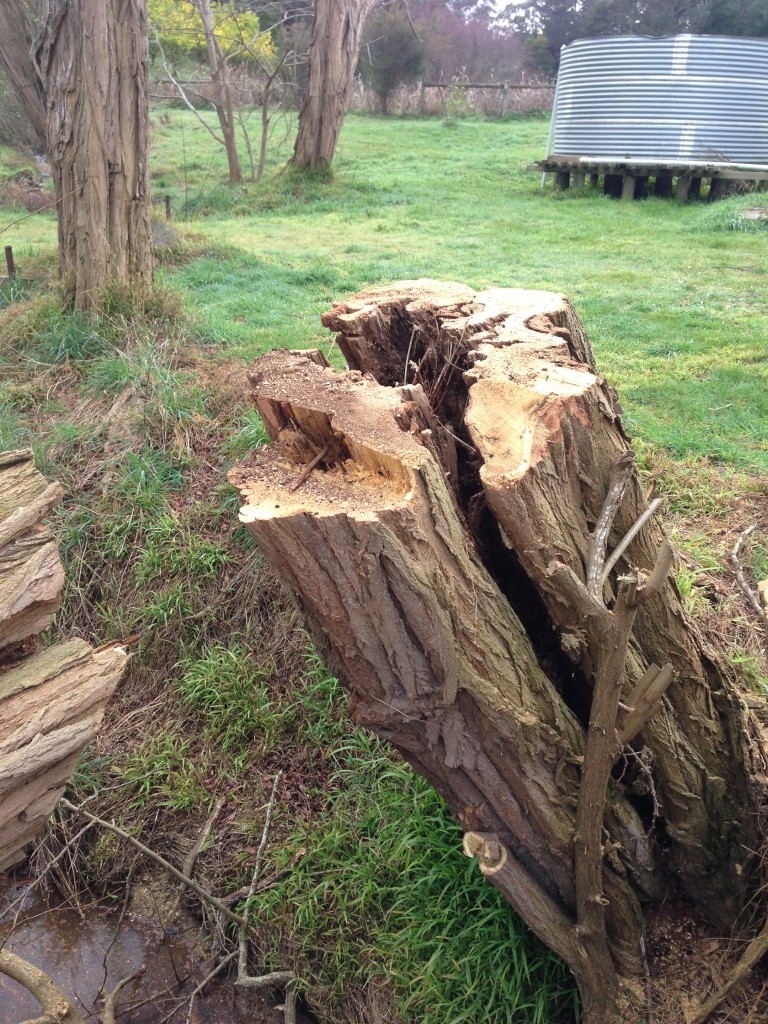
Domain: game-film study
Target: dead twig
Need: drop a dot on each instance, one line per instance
(287, 978)
(19, 904)
(308, 469)
(189, 861)
(209, 977)
(627, 539)
(204, 895)
(620, 477)
(110, 998)
(757, 601)
(242, 936)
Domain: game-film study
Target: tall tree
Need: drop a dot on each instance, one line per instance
(392, 54)
(333, 54)
(80, 69)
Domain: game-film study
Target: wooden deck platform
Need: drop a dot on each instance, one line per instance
(627, 179)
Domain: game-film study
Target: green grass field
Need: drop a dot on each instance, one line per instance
(379, 907)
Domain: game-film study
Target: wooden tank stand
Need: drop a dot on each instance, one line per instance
(634, 180)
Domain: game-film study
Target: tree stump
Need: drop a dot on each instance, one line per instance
(438, 513)
(51, 698)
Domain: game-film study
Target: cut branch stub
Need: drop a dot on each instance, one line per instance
(51, 700)
(513, 373)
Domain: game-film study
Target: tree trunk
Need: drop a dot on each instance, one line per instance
(222, 90)
(17, 19)
(440, 540)
(51, 699)
(333, 54)
(90, 60)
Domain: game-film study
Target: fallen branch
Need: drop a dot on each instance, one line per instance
(189, 861)
(110, 999)
(287, 978)
(757, 601)
(628, 537)
(204, 895)
(209, 977)
(56, 1006)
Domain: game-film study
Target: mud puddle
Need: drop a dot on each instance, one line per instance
(86, 954)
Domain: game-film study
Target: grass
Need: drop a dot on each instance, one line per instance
(141, 416)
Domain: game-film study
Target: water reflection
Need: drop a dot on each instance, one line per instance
(74, 950)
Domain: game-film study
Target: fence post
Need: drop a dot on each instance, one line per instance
(167, 207)
(9, 261)
(422, 100)
(504, 99)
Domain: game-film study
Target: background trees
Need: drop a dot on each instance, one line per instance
(551, 24)
(392, 53)
(80, 70)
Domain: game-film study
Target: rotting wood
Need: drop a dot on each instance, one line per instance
(51, 699)
(445, 583)
(548, 433)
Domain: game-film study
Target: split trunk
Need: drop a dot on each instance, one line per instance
(434, 512)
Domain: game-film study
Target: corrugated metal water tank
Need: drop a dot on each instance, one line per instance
(697, 98)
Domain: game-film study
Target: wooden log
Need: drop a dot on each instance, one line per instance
(683, 188)
(578, 179)
(513, 373)
(628, 187)
(51, 699)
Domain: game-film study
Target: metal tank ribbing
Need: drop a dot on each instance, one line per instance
(686, 98)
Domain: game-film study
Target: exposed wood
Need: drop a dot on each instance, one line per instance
(437, 660)
(440, 552)
(548, 432)
(52, 699)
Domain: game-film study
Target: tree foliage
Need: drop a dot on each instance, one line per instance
(551, 24)
(391, 54)
(181, 33)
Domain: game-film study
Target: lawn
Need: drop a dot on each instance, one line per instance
(378, 903)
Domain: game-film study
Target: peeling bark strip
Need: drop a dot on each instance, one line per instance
(92, 58)
(51, 700)
(437, 535)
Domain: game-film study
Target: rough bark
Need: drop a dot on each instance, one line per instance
(88, 60)
(547, 431)
(436, 532)
(17, 19)
(51, 699)
(333, 53)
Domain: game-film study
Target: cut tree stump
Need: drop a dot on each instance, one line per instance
(51, 699)
(434, 512)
